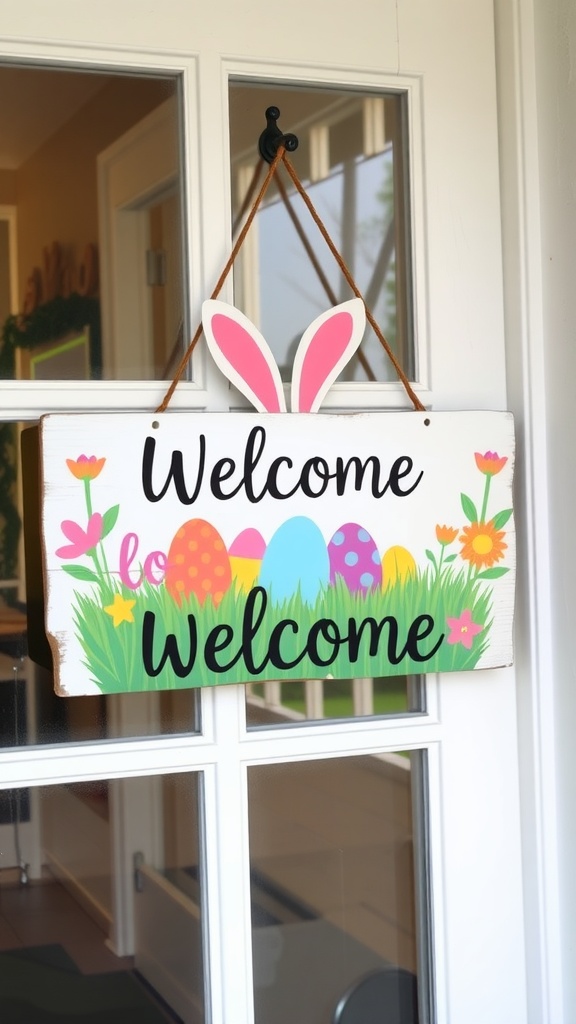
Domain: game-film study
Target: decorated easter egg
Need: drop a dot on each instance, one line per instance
(354, 556)
(398, 565)
(246, 552)
(295, 562)
(198, 563)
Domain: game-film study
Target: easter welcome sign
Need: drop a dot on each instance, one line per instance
(200, 549)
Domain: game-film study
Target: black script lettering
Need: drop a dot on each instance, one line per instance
(355, 631)
(170, 652)
(272, 479)
(420, 629)
(274, 646)
(360, 468)
(313, 479)
(397, 473)
(252, 457)
(214, 644)
(254, 612)
(222, 470)
(320, 469)
(323, 628)
(316, 465)
(414, 635)
(175, 473)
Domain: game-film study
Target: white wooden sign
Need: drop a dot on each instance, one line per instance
(197, 549)
(187, 550)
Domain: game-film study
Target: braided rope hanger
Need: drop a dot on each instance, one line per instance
(281, 157)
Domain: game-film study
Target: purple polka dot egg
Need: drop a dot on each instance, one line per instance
(354, 556)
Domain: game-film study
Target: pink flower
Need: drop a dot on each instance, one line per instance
(463, 630)
(82, 540)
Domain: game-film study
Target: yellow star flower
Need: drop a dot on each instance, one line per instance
(121, 610)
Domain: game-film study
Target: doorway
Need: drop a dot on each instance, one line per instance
(470, 789)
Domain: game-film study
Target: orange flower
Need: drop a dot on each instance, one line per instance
(446, 534)
(482, 544)
(490, 463)
(85, 467)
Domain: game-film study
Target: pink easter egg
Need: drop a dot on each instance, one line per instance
(354, 556)
(248, 544)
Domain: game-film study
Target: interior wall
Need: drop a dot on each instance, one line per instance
(57, 186)
(7, 188)
(555, 41)
(4, 270)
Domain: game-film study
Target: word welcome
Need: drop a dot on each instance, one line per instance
(321, 644)
(279, 480)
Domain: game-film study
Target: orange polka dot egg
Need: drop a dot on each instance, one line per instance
(198, 563)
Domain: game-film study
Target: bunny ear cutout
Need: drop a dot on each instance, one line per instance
(326, 346)
(243, 356)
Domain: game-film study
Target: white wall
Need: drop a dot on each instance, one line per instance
(555, 46)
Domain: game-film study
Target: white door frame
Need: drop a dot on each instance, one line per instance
(526, 397)
(525, 348)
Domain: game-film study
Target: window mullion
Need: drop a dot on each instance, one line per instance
(226, 870)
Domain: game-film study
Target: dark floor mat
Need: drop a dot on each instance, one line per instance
(43, 986)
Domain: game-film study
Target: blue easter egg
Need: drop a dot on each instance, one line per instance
(295, 561)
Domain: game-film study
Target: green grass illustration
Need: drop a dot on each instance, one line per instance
(113, 652)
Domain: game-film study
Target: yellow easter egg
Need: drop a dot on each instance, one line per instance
(246, 552)
(245, 571)
(398, 565)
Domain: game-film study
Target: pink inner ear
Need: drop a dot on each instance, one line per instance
(326, 348)
(245, 356)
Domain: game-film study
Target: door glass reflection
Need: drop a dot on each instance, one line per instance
(333, 888)
(92, 924)
(278, 703)
(91, 243)
(352, 162)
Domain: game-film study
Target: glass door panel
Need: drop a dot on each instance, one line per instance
(324, 700)
(352, 162)
(94, 161)
(333, 888)
(100, 906)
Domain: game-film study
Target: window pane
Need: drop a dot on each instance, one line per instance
(282, 703)
(118, 941)
(333, 887)
(30, 712)
(351, 160)
(90, 222)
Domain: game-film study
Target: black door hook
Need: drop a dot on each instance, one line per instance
(271, 138)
